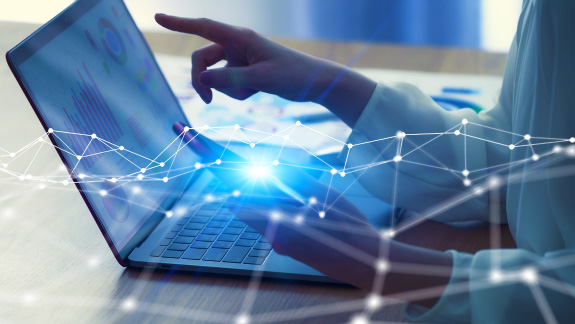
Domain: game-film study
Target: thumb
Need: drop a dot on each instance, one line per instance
(228, 77)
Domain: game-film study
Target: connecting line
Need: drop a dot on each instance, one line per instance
(81, 156)
(115, 151)
(310, 153)
(543, 304)
(62, 141)
(227, 144)
(284, 143)
(277, 134)
(164, 150)
(465, 145)
(544, 143)
(35, 155)
(373, 141)
(436, 160)
(233, 137)
(431, 140)
(245, 136)
(342, 143)
(346, 158)
(495, 129)
(175, 156)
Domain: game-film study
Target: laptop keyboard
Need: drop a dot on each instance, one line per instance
(212, 233)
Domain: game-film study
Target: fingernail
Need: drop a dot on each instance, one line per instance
(207, 79)
(161, 14)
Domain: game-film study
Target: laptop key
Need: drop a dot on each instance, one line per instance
(215, 255)
(263, 246)
(205, 212)
(178, 247)
(172, 254)
(182, 221)
(254, 260)
(206, 237)
(171, 235)
(194, 254)
(223, 244)
(199, 219)
(212, 230)
(184, 239)
(165, 242)
(250, 236)
(194, 226)
(201, 245)
(216, 224)
(259, 253)
(242, 242)
(189, 233)
(250, 230)
(233, 230)
(228, 237)
(238, 224)
(236, 254)
(222, 217)
(158, 251)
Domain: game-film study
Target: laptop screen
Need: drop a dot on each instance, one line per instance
(95, 83)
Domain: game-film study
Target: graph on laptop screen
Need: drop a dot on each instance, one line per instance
(97, 86)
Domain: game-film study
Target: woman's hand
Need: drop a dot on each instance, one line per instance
(255, 63)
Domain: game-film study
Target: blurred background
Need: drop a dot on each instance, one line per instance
(488, 25)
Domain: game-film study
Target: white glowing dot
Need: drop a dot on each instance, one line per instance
(12, 154)
(206, 126)
(186, 128)
(572, 140)
(143, 170)
(121, 148)
(286, 137)
(93, 262)
(40, 139)
(467, 182)
(322, 214)
(22, 177)
(571, 151)
(298, 123)
(113, 180)
(464, 121)
(535, 157)
(94, 136)
(381, 265)
(457, 132)
(252, 145)
(198, 165)
(557, 149)
(349, 146)
(397, 158)
(41, 186)
(65, 182)
(495, 276)
(494, 182)
(400, 134)
(78, 157)
(374, 302)
(342, 174)
(313, 201)
(388, 233)
(511, 147)
(140, 176)
(81, 176)
(243, 319)
(529, 275)
(275, 216)
(128, 304)
(258, 172)
(29, 298)
(162, 164)
(333, 171)
(276, 162)
(465, 172)
(103, 193)
(5, 165)
(527, 137)
(209, 198)
(236, 126)
(478, 191)
(169, 213)
(136, 190)
(360, 319)
(298, 219)
(218, 161)
(165, 179)
(236, 193)
(50, 130)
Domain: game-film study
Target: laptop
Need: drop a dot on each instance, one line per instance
(106, 106)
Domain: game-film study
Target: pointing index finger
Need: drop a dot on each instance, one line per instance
(211, 30)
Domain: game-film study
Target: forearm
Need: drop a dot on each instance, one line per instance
(341, 90)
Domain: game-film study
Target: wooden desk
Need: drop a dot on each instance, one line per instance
(56, 266)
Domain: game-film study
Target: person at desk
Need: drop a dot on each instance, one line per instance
(537, 97)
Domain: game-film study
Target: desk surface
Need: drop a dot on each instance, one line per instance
(56, 266)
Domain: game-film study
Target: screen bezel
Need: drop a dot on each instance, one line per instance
(28, 47)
